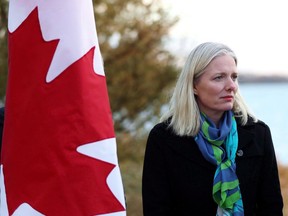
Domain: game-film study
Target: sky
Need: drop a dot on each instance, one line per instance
(254, 29)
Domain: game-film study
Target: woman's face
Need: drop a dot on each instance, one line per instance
(215, 89)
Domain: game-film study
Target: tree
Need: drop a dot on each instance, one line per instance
(138, 68)
(3, 46)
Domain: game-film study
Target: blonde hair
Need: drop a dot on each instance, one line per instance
(183, 108)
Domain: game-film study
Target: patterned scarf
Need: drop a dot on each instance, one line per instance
(219, 146)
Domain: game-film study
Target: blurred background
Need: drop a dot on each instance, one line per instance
(144, 44)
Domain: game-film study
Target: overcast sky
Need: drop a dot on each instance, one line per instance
(254, 29)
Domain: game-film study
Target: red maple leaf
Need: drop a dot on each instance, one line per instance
(44, 125)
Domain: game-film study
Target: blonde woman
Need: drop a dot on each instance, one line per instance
(209, 155)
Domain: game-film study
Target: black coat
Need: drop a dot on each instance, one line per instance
(177, 180)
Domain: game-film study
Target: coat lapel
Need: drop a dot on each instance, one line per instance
(245, 137)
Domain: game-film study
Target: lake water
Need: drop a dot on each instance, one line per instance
(269, 102)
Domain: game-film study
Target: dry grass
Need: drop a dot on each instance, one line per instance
(283, 172)
(131, 154)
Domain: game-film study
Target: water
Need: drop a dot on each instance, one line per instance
(269, 102)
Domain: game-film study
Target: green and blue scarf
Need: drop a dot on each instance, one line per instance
(219, 146)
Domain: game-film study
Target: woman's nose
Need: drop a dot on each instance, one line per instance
(231, 85)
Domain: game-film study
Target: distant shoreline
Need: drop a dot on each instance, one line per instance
(252, 78)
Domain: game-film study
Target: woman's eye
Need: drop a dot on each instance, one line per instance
(235, 77)
(218, 77)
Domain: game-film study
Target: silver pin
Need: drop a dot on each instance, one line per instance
(240, 153)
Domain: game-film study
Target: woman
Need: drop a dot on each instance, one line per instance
(210, 155)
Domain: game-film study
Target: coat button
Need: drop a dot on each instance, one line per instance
(240, 153)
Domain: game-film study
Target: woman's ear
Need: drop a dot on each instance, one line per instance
(195, 91)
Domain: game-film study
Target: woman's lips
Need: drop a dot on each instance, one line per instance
(228, 97)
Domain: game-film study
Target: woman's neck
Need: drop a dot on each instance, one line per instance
(215, 117)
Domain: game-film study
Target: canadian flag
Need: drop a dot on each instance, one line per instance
(59, 153)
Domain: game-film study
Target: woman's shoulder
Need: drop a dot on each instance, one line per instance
(257, 129)
(161, 127)
(251, 122)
